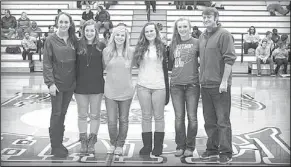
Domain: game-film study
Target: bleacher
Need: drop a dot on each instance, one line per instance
(237, 17)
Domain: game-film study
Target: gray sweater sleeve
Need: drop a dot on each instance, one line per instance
(227, 48)
(47, 64)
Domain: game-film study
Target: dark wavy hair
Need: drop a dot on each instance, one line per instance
(72, 30)
(250, 30)
(82, 47)
(143, 44)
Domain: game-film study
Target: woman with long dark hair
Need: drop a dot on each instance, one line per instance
(152, 86)
(59, 72)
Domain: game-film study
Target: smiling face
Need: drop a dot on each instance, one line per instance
(63, 23)
(90, 32)
(183, 28)
(150, 32)
(119, 38)
(209, 20)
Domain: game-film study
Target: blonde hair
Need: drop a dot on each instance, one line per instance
(176, 38)
(111, 45)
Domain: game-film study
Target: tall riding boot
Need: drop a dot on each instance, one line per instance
(91, 143)
(56, 145)
(62, 130)
(84, 142)
(158, 143)
(147, 143)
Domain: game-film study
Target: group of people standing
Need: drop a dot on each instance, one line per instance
(73, 66)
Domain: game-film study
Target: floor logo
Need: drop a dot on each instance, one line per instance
(259, 147)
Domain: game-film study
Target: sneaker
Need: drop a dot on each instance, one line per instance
(273, 75)
(179, 152)
(224, 159)
(111, 150)
(118, 151)
(206, 155)
(188, 153)
(258, 75)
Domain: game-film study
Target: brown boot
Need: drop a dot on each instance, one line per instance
(91, 143)
(84, 143)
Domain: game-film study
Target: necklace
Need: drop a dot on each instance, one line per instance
(89, 56)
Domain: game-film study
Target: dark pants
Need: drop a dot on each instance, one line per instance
(180, 4)
(216, 112)
(148, 3)
(269, 61)
(60, 104)
(185, 95)
(249, 45)
(27, 52)
(280, 62)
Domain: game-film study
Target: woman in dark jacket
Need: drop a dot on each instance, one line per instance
(59, 73)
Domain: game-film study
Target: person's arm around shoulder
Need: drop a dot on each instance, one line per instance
(134, 58)
(229, 57)
(105, 57)
(48, 75)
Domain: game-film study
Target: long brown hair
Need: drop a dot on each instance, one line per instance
(82, 48)
(72, 30)
(143, 44)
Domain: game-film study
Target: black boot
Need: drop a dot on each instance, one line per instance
(56, 146)
(62, 134)
(147, 143)
(158, 143)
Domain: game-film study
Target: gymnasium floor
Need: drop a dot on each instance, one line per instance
(260, 117)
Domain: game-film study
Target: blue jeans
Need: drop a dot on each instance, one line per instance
(185, 95)
(117, 110)
(216, 112)
(84, 102)
(152, 100)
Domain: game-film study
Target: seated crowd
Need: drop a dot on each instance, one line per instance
(268, 50)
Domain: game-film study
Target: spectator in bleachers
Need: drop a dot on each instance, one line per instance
(275, 36)
(22, 25)
(8, 25)
(203, 3)
(106, 37)
(59, 11)
(51, 30)
(275, 6)
(86, 15)
(270, 43)
(180, 4)
(196, 32)
(35, 32)
(251, 39)
(102, 19)
(29, 46)
(263, 56)
(281, 55)
(109, 3)
(150, 3)
(285, 39)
